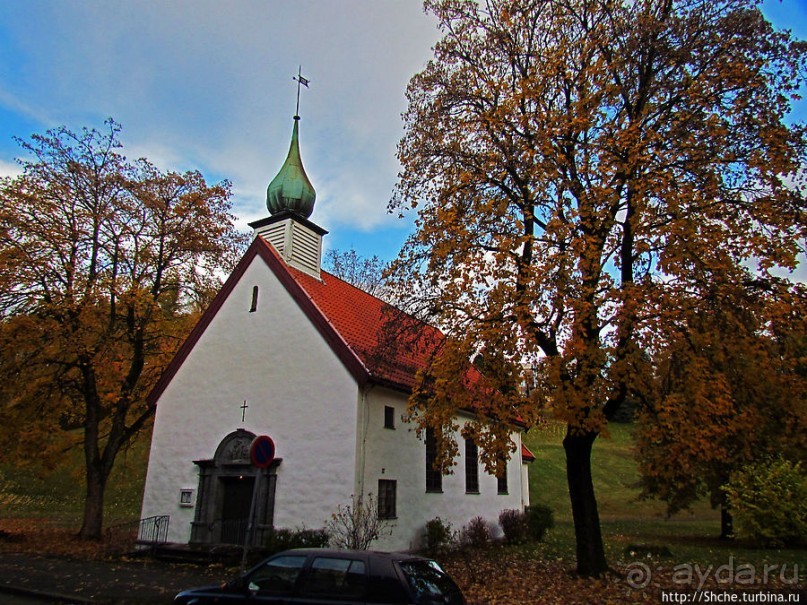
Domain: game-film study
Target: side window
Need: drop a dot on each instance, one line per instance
(434, 477)
(387, 505)
(335, 578)
(501, 481)
(389, 417)
(278, 576)
(471, 467)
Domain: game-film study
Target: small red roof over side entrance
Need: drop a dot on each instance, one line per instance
(526, 454)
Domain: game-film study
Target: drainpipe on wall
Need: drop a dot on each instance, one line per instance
(362, 425)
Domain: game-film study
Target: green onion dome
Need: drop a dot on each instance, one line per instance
(291, 190)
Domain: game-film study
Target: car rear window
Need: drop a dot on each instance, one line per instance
(429, 583)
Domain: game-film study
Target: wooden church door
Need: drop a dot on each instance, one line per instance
(235, 506)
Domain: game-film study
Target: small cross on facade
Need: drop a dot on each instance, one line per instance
(244, 410)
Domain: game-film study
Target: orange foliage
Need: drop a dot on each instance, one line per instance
(103, 265)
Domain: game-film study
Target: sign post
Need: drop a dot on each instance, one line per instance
(262, 451)
(261, 454)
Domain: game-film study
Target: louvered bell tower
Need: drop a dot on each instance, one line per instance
(290, 200)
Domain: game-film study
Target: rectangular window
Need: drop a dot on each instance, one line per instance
(387, 489)
(434, 478)
(471, 467)
(502, 481)
(389, 417)
(186, 497)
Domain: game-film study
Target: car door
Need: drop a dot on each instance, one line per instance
(274, 581)
(333, 580)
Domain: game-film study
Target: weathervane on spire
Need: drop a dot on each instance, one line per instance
(300, 80)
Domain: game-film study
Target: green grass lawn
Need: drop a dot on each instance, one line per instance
(32, 491)
(691, 536)
(614, 471)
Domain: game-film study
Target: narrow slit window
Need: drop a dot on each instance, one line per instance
(389, 417)
(434, 477)
(501, 480)
(254, 306)
(471, 467)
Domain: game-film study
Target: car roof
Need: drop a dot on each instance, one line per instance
(343, 553)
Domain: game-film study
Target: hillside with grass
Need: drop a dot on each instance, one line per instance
(57, 495)
(627, 521)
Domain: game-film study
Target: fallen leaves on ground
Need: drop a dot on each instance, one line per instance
(41, 536)
(502, 576)
(498, 576)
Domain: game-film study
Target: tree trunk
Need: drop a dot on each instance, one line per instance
(590, 552)
(93, 503)
(726, 523)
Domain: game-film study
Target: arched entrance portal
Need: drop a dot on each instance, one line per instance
(226, 486)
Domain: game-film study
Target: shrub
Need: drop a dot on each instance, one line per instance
(356, 526)
(280, 539)
(766, 500)
(438, 535)
(515, 525)
(476, 534)
(539, 521)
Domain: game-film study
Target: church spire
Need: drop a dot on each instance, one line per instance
(290, 199)
(290, 190)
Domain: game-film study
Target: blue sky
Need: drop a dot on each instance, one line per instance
(206, 84)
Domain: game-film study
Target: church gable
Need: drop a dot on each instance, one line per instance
(261, 252)
(255, 362)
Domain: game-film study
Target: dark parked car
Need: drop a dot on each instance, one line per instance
(327, 577)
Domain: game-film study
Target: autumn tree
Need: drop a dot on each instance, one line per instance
(729, 390)
(366, 273)
(103, 263)
(580, 169)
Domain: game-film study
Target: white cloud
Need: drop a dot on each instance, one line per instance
(9, 169)
(208, 85)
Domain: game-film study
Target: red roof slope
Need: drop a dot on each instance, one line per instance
(360, 319)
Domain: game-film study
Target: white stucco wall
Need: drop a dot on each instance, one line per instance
(298, 393)
(397, 454)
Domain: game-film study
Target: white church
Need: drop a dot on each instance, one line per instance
(289, 351)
